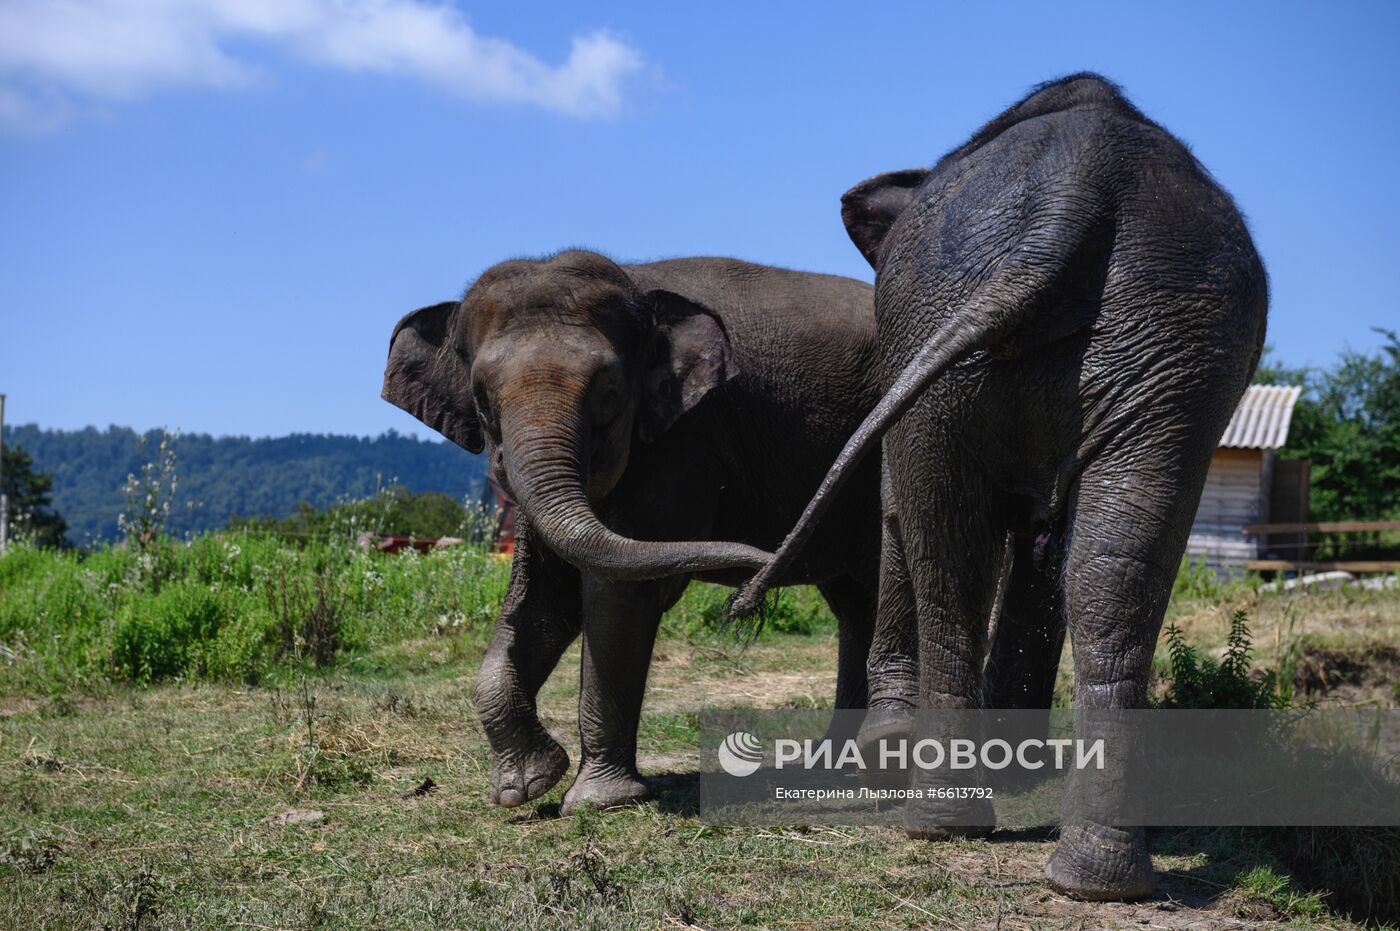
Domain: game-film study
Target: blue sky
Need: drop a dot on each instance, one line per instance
(215, 210)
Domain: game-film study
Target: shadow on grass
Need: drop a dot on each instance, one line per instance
(676, 793)
(546, 811)
(1272, 874)
(1288, 873)
(672, 793)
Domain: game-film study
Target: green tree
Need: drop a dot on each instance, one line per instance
(31, 506)
(1348, 423)
(228, 475)
(394, 510)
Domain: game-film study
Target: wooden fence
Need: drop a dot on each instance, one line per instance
(1301, 532)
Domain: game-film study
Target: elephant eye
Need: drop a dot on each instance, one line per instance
(606, 401)
(484, 413)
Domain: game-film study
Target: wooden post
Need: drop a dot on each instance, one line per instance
(1289, 500)
(4, 498)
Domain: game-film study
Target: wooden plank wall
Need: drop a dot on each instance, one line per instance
(1235, 495)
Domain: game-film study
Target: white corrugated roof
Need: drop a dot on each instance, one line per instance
(1261, 421)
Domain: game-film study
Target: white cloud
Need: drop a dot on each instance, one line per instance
(57, 55)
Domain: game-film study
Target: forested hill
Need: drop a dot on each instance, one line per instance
(223, 476)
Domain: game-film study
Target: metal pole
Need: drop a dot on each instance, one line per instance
(4, 498)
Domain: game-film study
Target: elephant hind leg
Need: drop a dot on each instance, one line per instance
(893, 665)
(1129, 519)
(894, 650)
(955, 560)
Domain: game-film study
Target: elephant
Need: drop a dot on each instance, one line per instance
(1068, 310)
(635, 412)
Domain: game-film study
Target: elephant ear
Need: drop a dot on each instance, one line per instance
(690, 358)
(428, 379)
(869, 209)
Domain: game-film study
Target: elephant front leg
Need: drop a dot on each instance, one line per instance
(540, 617)
(619, 630)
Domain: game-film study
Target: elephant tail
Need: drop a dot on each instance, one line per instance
(1000, 309)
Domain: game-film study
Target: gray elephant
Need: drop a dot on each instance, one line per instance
(624, 406)
(1069, 308)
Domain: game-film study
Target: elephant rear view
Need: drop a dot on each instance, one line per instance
(1069, 308)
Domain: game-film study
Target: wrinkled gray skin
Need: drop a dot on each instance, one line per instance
(622, 405)
(1069, 309)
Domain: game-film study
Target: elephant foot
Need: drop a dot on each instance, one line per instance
(890, 722)
(527, 766)
(1101, 864)
(944, 819)
(601, 786)
(884, 726)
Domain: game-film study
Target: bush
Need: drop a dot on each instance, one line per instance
(1197, 681)
(166, 635)
(393, 510)
(1360, 866)
(240, 652)
(307, 619)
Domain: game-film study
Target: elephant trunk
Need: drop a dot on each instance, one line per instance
(544, 463)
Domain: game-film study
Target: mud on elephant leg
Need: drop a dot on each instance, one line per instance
(539, 619)
(619, 630)
(1125, 543)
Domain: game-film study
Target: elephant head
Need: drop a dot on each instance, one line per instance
(557, 368)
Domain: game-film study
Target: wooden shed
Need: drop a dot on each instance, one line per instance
(1249, 484)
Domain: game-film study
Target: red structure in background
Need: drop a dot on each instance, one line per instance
(505, 522)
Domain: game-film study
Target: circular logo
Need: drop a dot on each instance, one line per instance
(740, 754)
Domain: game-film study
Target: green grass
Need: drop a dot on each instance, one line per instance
(1265, 884)
(1197, 581)
(152, 719)
(232, 608)
(215, 608)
